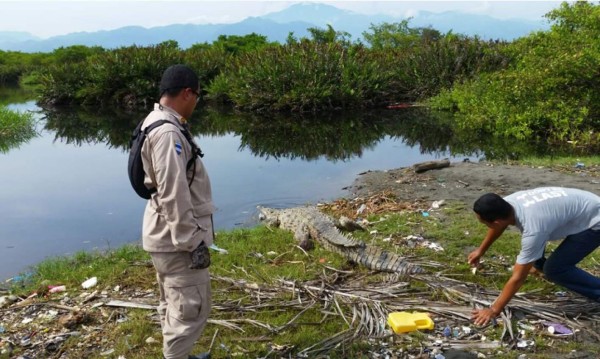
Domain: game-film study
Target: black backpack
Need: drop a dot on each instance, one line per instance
(135, 167)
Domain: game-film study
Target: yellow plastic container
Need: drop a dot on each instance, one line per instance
(404, 322)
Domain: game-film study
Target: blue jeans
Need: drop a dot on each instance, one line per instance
(560, 267)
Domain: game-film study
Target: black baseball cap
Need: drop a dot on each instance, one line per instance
(178, 76)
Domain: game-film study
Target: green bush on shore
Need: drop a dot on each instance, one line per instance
(15, 128)
(549, 91)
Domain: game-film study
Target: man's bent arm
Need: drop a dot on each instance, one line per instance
(490, 237)
(520, 272)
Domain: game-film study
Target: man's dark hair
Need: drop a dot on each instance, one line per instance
(491, 207)
(176, 78)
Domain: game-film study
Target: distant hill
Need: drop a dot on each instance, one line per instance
(16, 36)
(276, 26)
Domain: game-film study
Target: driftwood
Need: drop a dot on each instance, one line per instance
(430, 165)
(124, 304)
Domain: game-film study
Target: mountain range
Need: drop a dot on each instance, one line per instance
(276, 26)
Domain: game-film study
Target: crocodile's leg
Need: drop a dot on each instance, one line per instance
(302, 235)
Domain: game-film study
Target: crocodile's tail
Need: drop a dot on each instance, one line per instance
(382, 260)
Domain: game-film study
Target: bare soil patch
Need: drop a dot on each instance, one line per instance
(466, 181)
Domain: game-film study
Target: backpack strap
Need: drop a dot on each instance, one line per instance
(196, 151)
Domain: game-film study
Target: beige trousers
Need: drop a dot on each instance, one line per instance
(185, 301)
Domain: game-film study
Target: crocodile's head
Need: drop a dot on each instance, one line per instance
(269, 216)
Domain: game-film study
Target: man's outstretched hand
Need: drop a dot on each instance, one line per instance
(483, 316)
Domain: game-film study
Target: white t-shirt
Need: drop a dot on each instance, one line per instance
(551, 213)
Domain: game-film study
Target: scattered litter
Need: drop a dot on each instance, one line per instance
(525, 343)
(579, 165)
(361, 209)
(526, 326)
(560, 294)
(150, 340)
(447, 331)
(89, 283)
(432, 245)
(218, 249)
(56, 289)
(403, 322)
(437, 204)
(373, 232)
(7, 300)
(271, 253)
(557, 328)
(425, 214)
(387, 239)
(107, 352)
(20, 278)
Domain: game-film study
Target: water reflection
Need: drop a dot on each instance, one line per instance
(16, 127)
(80, 127)
(335, 137)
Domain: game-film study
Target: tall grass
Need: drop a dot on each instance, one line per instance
(15, 128)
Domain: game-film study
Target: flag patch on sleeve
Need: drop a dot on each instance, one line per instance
(178, 148)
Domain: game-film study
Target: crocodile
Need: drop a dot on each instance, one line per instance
(309, 224)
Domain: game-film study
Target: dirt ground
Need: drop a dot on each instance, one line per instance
(466, 181)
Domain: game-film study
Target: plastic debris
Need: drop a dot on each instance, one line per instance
(526, 326)
(361, 209)
(214, 247)
(20, 278)
(557, 328)
(432, 245)
(579, 165)
(437, 204)
(89, 283)
(403, 322)
(525, 343)
(425, 214)
(56, 288)
(447, 331)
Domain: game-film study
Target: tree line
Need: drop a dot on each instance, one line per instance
(541, 86)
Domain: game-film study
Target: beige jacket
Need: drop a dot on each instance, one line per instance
(179, 215)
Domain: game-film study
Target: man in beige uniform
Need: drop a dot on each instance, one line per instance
(178, 216)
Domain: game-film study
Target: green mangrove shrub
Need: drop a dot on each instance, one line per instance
(422, 61)
(126, 77)
(549, 91)
(15, 128)
(301, 76)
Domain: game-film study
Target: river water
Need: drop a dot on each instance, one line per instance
(67, 190)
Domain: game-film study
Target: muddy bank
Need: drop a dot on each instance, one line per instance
(466, 181)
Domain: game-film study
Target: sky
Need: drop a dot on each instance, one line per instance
(50, 18)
